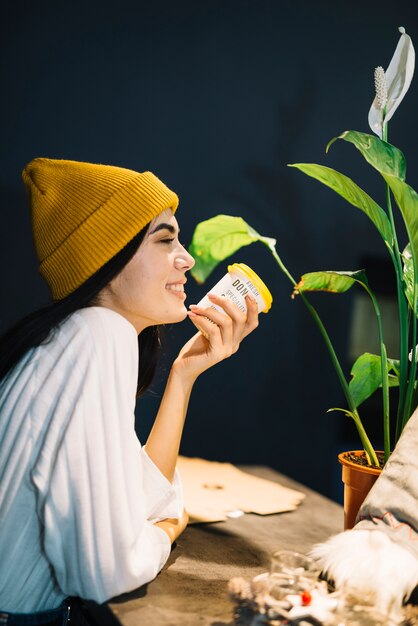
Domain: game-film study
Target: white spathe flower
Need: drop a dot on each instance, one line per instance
(395, 80)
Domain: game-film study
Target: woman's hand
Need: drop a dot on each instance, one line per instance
(174, 527)
(220, 334)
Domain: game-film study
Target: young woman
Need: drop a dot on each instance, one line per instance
(85, 511)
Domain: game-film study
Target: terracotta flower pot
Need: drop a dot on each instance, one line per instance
(358, 480)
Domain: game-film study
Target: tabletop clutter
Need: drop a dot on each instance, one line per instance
(293, 592)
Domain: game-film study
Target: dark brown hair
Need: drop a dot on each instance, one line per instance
(38, 328)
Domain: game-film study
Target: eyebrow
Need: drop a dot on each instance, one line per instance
(164, 226)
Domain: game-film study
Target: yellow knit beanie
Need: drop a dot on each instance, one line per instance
(83, 214)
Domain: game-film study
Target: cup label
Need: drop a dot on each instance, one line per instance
(235, 288)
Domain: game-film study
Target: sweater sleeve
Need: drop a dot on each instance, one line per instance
(103, 492)
(166, 501)
(391, 505)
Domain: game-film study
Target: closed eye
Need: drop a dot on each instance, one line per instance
(168, 240)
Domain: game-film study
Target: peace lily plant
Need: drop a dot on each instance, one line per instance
(217, 238)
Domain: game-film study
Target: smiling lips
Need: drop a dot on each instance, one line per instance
(177, 289)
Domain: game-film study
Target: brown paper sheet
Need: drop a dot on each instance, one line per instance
(215, 491)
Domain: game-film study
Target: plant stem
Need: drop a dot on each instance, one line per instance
(385, 377)
(353, 409)
(402, 306)
(280, 263)
(346, 390)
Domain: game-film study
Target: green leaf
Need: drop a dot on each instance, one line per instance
(407, 200)
(408, 276)
(348, 189)
(367, 376)
(332, 281)
(217, 238)
(381, 155)
(395, 366)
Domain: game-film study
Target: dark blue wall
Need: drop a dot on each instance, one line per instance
(216, 96)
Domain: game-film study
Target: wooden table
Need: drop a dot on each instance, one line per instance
(191, 589)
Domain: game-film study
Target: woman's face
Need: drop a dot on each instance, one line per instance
(150, 288)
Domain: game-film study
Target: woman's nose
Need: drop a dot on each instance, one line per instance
(184, 261)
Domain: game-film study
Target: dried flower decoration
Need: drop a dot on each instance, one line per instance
(239, 589)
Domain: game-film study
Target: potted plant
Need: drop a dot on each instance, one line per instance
(216, 239)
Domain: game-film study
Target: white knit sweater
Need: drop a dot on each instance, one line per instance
(78, 494)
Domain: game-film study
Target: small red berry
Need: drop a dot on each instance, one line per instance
(306, 598)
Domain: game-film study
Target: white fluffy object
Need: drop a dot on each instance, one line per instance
(369, 566)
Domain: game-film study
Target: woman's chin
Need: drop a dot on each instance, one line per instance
(182, 315)
(177, 316)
